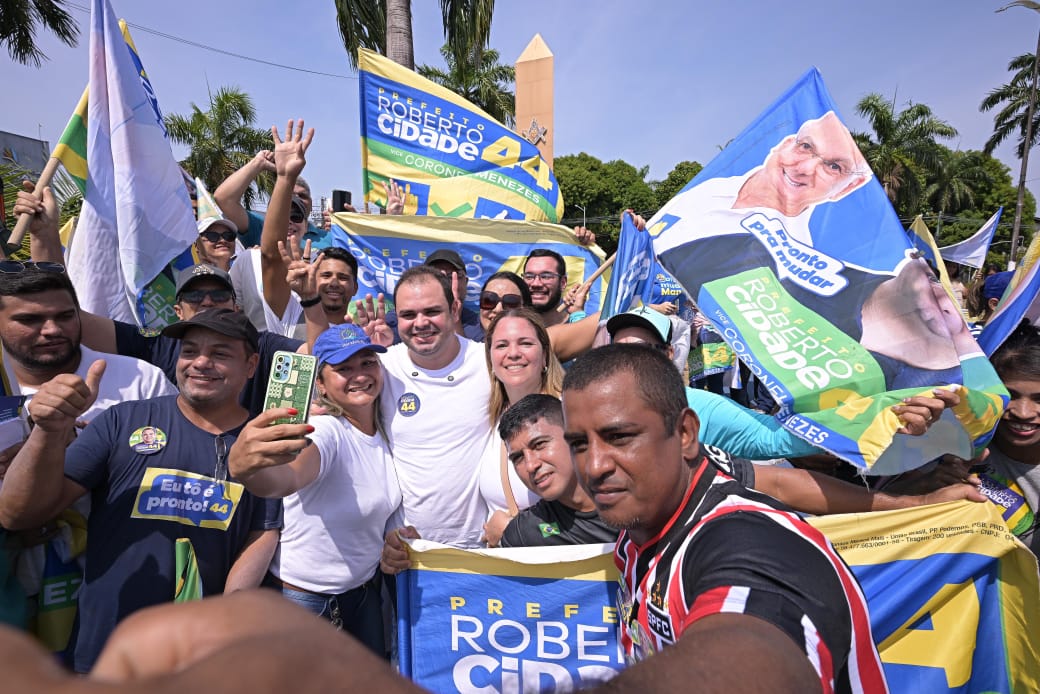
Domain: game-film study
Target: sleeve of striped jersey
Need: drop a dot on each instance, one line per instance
(745, 563)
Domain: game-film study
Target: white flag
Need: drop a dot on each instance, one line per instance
(136, 212)
(972, 250)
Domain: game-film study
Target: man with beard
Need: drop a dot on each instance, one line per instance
(147, 503)
(40, 330)
(545, 273)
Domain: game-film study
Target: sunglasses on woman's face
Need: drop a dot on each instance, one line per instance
(489, 300)
(214, 236)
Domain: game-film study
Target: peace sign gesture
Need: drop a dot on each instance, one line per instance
(301, 272)
(289, 153)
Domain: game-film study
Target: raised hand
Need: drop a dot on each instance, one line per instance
(371, 317)
(60, 401)
(301, 272)
(264, 161)
(585, 236)
(394, 197)
(44, 208)
(289, 154)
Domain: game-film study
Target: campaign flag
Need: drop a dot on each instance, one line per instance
(71, 149)
(136, 213)
(790, 247)
(952, 596)
(923, 240)
(1020, 302)
(632, 274)
(387, 245)
(972, 250)
(451, 158)
(534, 619)
(186, 568)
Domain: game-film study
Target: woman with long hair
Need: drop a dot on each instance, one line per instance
(520, 361)
(341, 493)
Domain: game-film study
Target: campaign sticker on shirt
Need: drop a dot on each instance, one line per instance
(148, 440)
(408, 404)
(187, 498)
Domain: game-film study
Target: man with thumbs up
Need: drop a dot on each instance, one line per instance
(163, 506)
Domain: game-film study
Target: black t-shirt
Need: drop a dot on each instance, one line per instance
(550, 523)
(163, 352)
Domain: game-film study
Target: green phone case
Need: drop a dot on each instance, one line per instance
(290, 384)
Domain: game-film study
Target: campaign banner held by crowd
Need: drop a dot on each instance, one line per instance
(952, 596)
(790, 247)
(387, 245)
(450, 158)
(508, 620)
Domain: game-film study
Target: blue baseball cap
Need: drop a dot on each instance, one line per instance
(341, 342)
(996, 285)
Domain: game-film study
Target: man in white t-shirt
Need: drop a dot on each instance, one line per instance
(435, 408)
(40, 332)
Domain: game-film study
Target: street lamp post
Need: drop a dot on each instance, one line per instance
(1015, 229)
(582, 214)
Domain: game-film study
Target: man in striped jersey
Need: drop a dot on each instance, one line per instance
(737, 591)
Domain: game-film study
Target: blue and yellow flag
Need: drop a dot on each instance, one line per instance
(450, 158)
(387, 245)
(1021, 301)
(790, 247)
(511, 620)
(952, 594)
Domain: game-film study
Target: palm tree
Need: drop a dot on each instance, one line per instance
(1013, 102)
(952, 184)
(222, 139)
(385, 26)
(478, 78)
(903, 147)
(18, 20)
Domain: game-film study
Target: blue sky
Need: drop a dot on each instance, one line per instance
(649, 82)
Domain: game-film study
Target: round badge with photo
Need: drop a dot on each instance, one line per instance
(147, 440)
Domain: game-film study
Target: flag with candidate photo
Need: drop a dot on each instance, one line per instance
(450, 158)
(790, 247)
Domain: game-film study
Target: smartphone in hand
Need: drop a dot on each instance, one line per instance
(291, 384)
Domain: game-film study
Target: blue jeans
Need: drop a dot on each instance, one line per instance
(356, 612)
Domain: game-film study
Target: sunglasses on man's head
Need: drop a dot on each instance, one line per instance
(489, 300)
(197, 296)
(214, 236)
(295, 216)
(12, 267)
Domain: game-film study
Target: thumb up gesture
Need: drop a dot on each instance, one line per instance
(61, 400)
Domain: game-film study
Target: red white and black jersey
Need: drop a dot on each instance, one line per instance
(729, 549)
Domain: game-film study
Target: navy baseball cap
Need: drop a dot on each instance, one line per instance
(996, 285)
(341, 342)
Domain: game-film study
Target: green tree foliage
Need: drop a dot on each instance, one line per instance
(903, 149)
(1012, 103)
(222, 140)
(19, 21)
(605, 190)
(385, 26)
(480, 79)
(681, 174)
